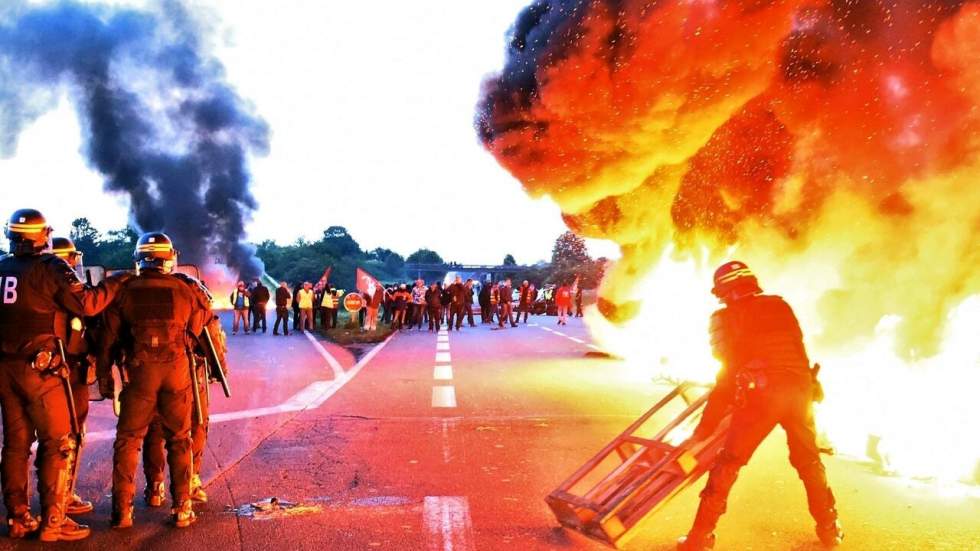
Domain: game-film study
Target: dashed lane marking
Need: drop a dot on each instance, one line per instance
(312, 396)
(443, 357)
(442, 346)
(443, 396)
(443, 373)
(571, 338)
(442, 338)
(447, 524)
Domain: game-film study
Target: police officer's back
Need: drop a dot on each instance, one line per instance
(148, 330)
(765, 381)
(37, 289)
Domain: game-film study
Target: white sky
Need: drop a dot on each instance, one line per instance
(371, 107)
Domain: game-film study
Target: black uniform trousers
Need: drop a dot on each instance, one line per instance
(786, 402)
(162, 389)
(33, 402)
(154, 444)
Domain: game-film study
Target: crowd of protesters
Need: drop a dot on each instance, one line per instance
(402, 307)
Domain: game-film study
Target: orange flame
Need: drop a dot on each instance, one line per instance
(831, 145)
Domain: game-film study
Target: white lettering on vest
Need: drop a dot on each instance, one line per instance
(9, 285)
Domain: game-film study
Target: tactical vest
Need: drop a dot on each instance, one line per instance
(27, 306)
(157, 309)
(759, 332)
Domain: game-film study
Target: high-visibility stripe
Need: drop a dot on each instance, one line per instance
(27, 228)
(731, 276)
(154, 248)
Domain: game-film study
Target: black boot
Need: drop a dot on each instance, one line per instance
(696, 542)
(22, 525)
(830, 533)
(122, 516)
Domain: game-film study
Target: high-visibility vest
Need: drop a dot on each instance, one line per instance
(328, 301)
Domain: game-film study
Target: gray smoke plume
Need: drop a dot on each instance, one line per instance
(160, 123)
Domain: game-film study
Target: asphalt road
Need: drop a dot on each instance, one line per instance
(452, 443)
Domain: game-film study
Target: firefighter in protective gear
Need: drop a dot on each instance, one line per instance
(37, 292)
(149, 331)
(154, 443)
(765, 381)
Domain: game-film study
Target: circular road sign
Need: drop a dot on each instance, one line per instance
(353, 302)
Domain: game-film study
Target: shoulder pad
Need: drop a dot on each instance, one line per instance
(194, 284)
(60, 266)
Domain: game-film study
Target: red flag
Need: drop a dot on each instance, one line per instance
(575, 287)
(367, 283)
(322, 283)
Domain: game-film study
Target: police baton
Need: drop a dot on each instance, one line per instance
(216, 369)
(65, 373)
(196, 390)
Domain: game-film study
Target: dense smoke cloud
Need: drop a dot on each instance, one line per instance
(838, 135)
(160, 123)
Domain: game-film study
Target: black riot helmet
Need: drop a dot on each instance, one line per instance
(155, 251)
(63, 247)
(28, 232)
(734, 280)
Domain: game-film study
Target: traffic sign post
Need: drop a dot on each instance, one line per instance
(353, 302)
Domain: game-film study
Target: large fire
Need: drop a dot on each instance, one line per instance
(831, 145)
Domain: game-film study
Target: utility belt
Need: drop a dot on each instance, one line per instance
(754, 379)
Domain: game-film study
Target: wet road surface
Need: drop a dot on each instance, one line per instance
(451, 443)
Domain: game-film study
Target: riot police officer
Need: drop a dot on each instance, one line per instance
(765, 380)
(148, 333)
(36, 290)
(154, 442)
(80, 343)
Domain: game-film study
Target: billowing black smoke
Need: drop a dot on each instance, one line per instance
(160, 122)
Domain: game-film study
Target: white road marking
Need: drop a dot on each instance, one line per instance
(447, 454)
(338, 371)
(311, 397)
(442, 346)
(443, 396)
(571, 338)
(442, 338)
(443, 358)
(443, 373)
(447, 524)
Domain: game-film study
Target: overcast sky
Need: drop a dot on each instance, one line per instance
(371, 113)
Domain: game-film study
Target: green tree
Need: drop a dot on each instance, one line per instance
(85, 236)
(424, 256)
(509, 260)
(570, 258)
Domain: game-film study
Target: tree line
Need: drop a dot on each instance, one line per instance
(306, 260)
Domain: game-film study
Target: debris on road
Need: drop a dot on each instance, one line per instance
(273, 508)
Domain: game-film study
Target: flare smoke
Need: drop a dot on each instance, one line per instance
(835, 134)
(160, 123)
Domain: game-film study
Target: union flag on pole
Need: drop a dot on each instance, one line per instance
(323, 279)
(367, 283)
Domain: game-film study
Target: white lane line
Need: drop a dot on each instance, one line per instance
(559, 333)
(442, 346)
(447, 524)
(571, 338)
(443, 373)
(312, 396)
(338, 371)
(594, 347)
(443, 397)
(576, 339)
(548, 329)
(447, 453)
(442, 338)
(443, 358)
